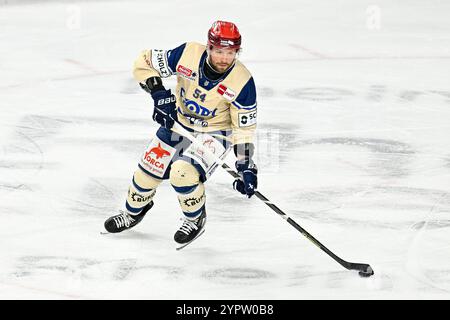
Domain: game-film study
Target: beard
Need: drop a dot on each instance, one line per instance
(221, 67)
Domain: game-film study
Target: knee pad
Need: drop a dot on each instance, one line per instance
(141, 191)
(183, 174)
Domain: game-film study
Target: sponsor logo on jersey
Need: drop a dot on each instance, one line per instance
(153, 163)
(210, 143)
(186, 72)
(159, 152)
(160, 63)
(194, 107)
(147, 58)
(247, 119)
(227, 93)
(157, 157)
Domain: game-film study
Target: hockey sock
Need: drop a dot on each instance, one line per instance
(140, 192)
(192, 200)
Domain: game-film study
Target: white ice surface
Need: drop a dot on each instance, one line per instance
(353, 144)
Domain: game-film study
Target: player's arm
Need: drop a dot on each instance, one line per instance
(243, 123)
(156, 63)
(149, 68)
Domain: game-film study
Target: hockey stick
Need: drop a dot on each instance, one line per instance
(364, 269)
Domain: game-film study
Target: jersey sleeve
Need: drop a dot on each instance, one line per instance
(243, 114)
(157, 63)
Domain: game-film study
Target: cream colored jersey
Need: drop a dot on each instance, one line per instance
(204, 105)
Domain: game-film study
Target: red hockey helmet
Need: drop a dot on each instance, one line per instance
(224, 35)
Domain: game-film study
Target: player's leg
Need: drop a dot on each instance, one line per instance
(185, 179)
(141, 192)
(139, 201)
(153, 169)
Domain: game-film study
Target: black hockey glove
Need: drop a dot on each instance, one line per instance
(165, 111)
(249, 180)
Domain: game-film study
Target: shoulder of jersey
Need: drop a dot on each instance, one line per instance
(243, 68)
(195, 45)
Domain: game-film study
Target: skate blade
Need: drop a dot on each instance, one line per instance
(184, 245)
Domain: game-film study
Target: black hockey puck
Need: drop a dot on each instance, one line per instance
(369, 272)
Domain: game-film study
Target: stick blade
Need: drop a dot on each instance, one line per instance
(366, 273)
(364, 270)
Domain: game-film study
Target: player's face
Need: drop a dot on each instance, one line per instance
(222, 58)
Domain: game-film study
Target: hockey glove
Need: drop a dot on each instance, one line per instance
(249, 180)
(165, 111)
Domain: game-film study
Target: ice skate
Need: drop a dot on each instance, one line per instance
(190, 230)
(124, 220)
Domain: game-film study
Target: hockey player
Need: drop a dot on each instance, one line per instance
(215, 100)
